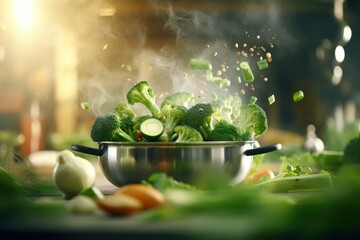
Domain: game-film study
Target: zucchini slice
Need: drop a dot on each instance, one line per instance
(151, 128)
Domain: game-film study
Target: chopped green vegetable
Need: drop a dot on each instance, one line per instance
(152, 128)
(221, 82)
(142, 93)
(85, 105)
(253, 100)
(127, 67)
(246, 72)
(298, 96)
(262, 64)
(271, 99)
(239, 79)
(200, 64)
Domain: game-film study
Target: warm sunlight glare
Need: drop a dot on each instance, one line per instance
(24, 13)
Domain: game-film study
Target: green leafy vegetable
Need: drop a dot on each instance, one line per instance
(162, 182)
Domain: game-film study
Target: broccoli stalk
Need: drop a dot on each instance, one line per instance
(172, 115)
(107, 128)
(142, 93)
(202, 117)
(252, 120)
(124, 110)
(185, 133)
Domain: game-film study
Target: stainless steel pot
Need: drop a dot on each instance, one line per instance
(124, 163)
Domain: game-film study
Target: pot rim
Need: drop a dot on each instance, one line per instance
(179, 144)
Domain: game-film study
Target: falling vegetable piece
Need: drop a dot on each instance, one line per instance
(246, 72)
(85, 105)
(271, 99)
(221, 82)
(298, 96)
(200, 64)
(262, 64)
(253, 100)
(127, 67)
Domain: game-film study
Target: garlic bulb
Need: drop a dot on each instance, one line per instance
(73, 174)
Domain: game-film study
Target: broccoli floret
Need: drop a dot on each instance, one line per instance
(127, 125)
(172, 115)
(252, 120)
(179, 98)
(107, 128)
(229, 107)
(352, 151)
(202, 117)
(225, 131)
(143, 93)
(124, 110)
(185, 133)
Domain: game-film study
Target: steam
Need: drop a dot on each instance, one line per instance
(212, 35)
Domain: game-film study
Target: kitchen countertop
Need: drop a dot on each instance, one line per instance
(197, 226)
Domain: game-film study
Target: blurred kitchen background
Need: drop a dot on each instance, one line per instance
(56, 54)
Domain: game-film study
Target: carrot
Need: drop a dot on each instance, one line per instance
(262, 174)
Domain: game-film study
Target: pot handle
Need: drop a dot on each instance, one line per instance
(262, 150)
(89, 150)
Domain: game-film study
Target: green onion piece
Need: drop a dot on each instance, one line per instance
(127, 67)
(271, 99)
(239, 79)
(221, 82)
(209, 75)
(262, 64)
(214, 96)
(253, 100)
(85, 105)
(246, 72)
(298, 96)
(200, 64)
